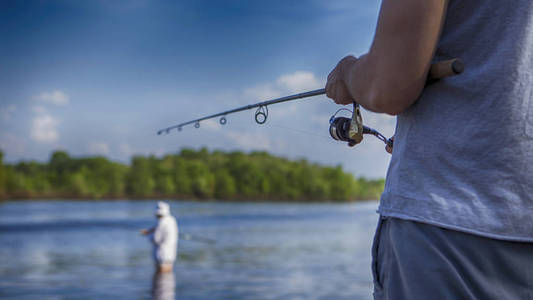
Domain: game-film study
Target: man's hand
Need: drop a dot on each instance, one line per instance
(145, 231)
(336, 86)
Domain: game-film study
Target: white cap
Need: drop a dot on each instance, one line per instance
(162, 209)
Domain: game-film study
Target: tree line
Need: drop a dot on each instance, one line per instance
(189, 174)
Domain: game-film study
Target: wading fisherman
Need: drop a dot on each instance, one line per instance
(164, 238)
(456, 216)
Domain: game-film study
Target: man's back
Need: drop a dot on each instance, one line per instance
(165, 239)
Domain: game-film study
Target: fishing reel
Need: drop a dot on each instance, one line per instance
(352, 130)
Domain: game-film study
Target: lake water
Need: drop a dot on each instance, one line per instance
(93, 250)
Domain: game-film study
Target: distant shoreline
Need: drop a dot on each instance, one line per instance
(178, 199)
(200, 175)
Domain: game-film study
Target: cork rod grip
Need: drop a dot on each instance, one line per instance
(445, 68)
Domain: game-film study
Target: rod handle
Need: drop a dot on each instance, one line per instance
(445, 68)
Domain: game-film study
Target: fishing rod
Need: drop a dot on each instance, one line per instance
(341, 128)
(188, 237)
(260, 116)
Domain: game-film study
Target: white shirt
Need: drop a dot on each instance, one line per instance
(165, 240)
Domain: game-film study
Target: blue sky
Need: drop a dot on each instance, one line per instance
(101, 77)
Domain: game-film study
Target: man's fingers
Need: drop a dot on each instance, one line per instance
(330, 90)
(338, 92)
(330, 84)
(343, 96)
(335, 86)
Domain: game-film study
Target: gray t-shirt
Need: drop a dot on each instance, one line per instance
(463, 153)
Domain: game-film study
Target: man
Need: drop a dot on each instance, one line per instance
(456, 216)
(164, 237)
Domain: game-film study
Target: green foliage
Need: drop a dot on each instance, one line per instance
(140, 182)
(225, 187)
(189, 174)
(2, 176)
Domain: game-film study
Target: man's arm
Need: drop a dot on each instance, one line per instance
(147, 231)
(391, 76)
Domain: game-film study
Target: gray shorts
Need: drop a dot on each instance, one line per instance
(412, 260)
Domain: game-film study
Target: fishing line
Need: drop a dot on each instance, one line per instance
(241, 124)
(195, 238)
(301, 131)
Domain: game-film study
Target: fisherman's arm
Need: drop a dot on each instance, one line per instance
(391, 76)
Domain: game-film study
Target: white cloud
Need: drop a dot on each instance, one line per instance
(262, 92)
(99, 148)
(44, 126)
(55, 97)
(299, 82)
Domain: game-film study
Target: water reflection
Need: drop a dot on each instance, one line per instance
(163, 286)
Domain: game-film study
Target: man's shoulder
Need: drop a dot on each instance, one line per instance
(171, 220)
